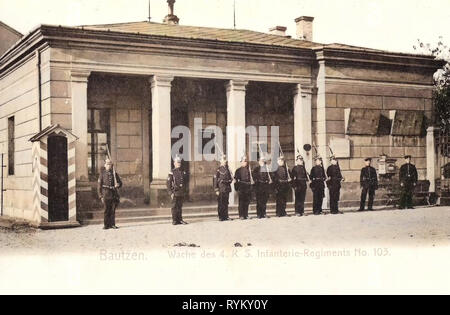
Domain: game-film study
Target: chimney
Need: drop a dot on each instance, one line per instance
(305, 27)
(278, 30)
(171, 18)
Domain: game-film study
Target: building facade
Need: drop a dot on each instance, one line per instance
(126, 85)
(8, 37)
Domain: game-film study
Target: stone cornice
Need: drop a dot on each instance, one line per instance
(378, 59)
(206, 72)
(79, 76)
(236, 85)
(161, 81)
(79, 38)
(303, 89)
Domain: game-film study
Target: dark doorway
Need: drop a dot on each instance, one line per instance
(58, 200)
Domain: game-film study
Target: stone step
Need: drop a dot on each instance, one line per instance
(132, 212)
(165, 215)
(190, 217)
(136, 212)
(125, 216)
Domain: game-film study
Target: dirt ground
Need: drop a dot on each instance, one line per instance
(401, 251)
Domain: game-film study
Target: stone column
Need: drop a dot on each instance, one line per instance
(303, 121)
(235, 126)
(431, 159)
(79, 85)
(161, 138)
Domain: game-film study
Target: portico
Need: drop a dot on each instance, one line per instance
(140, 126)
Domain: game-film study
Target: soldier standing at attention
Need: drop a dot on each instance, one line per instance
(282, 186)
(243, 186)
(222, 187)
(176, 186)
(108, 184)
(262, 185)
(299, 179)
(369, 184)
(408, 181)
(334, 185)
(318, 178)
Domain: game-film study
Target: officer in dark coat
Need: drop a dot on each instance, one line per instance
(334, 184)
(176, 186)
(369, 184)
(299, 183)
(108, 185)
(263, 181)
(408, 182)
(243, 185)
(318, 178)
(222, 187)
(282, 181)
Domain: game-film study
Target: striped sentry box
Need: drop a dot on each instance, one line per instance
(40, 172)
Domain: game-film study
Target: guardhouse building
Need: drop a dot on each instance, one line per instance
(68, 92)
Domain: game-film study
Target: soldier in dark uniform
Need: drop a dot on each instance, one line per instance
(263, 182)
(243, 185)
(176, 186)
(369, 184)
(318, 178)
(282, 180)
(222, 187)
(334, 185)
(108, 184)
(299, 180)
(408, 181)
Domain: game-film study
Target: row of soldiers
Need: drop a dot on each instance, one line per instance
(264, 182)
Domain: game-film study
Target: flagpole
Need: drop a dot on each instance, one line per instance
(234, 13)
(149, 11)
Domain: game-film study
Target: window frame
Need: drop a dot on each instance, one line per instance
(11, 145)
(95, 170)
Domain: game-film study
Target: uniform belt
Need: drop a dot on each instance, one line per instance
(284, 181)
(247, 183)
(109, 187)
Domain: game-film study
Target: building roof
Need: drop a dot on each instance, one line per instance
(8, 37)
(235, 36)
(218, 34)
(49, 130)
(9, 28)
(207, 33)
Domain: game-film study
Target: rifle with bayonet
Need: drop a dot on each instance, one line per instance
(267, 165)
(116, 190)
(285, 162)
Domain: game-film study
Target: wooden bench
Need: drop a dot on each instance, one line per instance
(422, 191)
(393, 191)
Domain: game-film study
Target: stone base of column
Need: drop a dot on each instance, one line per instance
(159, 197)
(59, 225)
(234, 198)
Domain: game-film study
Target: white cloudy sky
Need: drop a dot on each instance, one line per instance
(385, 24)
